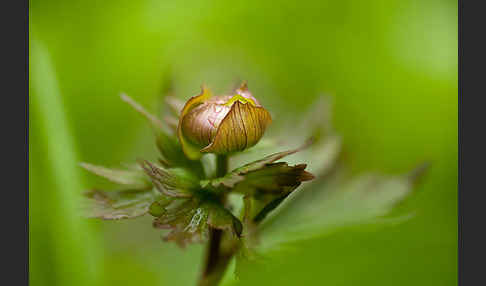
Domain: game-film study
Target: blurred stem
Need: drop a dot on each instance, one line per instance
(216, 262)
(221, 165)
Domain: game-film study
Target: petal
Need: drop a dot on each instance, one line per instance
(242, 128)
(191, 150)
(243, 91)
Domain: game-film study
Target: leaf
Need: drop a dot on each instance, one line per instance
(184, 208)
(57, 233)
(275, 178)
(338, 202)
(154, 121)
(189, 219)
(238, 175)
(221, 218)
(263, 182)
(269, 207)
(168, 145)
(172, 122)
(326, 149)
(133, 179)
(118, 205)
(173, 182)
(172, 152)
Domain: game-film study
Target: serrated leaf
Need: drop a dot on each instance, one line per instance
(253, 166)
(238, 175)
(173, 182)
(262, 181)
(275, 178)
(118, 205)
(132, 179)
(189, 219)
(220, 218)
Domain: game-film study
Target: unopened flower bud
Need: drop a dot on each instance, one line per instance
(221, 124)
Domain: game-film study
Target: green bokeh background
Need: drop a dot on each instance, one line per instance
(391, 67)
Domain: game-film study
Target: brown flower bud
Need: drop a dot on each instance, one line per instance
(221, 124)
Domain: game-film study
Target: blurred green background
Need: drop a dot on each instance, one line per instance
(391, 67)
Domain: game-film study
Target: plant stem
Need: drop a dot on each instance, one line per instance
(216, 262)
(221, 165)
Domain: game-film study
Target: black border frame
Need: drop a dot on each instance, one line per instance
(15, 132)
(471, 143)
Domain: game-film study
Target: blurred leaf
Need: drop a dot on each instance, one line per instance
(173, 182)
(132, 179)
(172, 122)
(175, 105)
(118, 205)
(167, 143)
(321, 155)
(334, 203)
(154, 121)
(316, 123)
(55, 185)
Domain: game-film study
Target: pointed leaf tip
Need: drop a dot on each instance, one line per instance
(154, 121)
(135, 179)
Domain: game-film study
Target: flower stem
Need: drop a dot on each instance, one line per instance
(216, 262)
(221, 165)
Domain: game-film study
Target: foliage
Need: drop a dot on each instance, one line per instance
(183, 200)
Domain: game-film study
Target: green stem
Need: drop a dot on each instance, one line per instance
(221, 165)
(216, 262)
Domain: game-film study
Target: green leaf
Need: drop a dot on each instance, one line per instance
(330, 205)
(173, 182)
(63, 248)
(275, 178)
(316, 123)
(118, 205)
(154, 121)
(132, 179)
(263, 183)
(172, 122)
(167, 143)
(189, 219)
(172, 153)
(236, 176)
(220, 218)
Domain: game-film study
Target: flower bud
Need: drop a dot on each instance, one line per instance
(221, 124)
